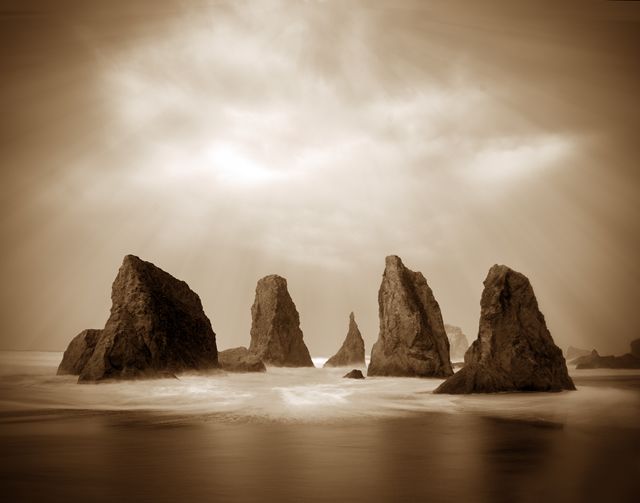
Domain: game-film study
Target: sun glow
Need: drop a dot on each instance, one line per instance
(233, 166)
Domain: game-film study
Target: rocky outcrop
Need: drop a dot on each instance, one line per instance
(635, 348)
(458, 343)
(240, 360)
(514, 350)
(352, 350)
(276, 337)
(78, 352)
(354, 374)
(412, 341)
(157, 327)
(595, 361)
(573, 353)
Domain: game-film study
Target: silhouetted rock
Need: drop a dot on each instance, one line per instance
(240, 360)
(635, 348)
(157, 327)
(276, 337)
(78, 352)
(586, 358)
(514, 350)
(573, 353)
(595, 361)
(458, 343)
(352, 350)
(412, 340)
(354, 374)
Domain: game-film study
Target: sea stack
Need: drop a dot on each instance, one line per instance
(276, 337)
(352, 350)
(458, 343)
(157, 327)
(514, 350)
(412, 341)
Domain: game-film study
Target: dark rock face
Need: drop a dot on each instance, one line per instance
(157, 327)
(595, 361)
(354, 374)
(240, 360)
(458, 343)
(635, 348)
(352, 350)
(573, 353)
(78, 352)
(412, 341)
(276, 337)
(514, 350)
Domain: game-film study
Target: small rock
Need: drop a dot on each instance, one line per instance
(354, 374)
(240, 360)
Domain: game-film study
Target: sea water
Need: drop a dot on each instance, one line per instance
(309, 435)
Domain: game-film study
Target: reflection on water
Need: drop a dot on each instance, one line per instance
(308, 435)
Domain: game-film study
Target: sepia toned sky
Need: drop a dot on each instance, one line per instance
(228, 140)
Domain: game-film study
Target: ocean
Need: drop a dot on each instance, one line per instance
(309, 435)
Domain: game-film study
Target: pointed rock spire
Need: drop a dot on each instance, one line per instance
(276, 337)
(352, 350)
(412, 339)
(514, 350)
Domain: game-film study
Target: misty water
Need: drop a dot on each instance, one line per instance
(309, 435)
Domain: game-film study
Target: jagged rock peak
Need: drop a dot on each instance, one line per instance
(412, 340)
(157, 327)
(276, 337)
(514, 350)
(352, 350)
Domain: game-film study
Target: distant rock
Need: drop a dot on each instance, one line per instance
(352, 350)
(276, 337)
(635, 348)
(240, 360)
(354, 374)
(458, 343)
(412, 341)
(157, 327)
(514, 350)
(573, 353)
(78, 352)
(595, 361)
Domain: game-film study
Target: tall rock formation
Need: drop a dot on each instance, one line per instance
(458, 343)
(157, 327)
(78, 352)
(514, 350)
(412, 341)
(352, 350)
(276, 337)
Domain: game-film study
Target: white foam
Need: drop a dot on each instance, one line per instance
(29, 382)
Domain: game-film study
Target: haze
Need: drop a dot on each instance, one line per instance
(224, 141)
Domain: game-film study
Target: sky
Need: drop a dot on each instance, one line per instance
(227, 140)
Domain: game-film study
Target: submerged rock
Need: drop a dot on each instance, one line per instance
(458, 343)
(276, 337)
(157, 327)
(352, 350)
(240, 360)
(78, 352)
(354, 374)
(412, 341)
(514, 350)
